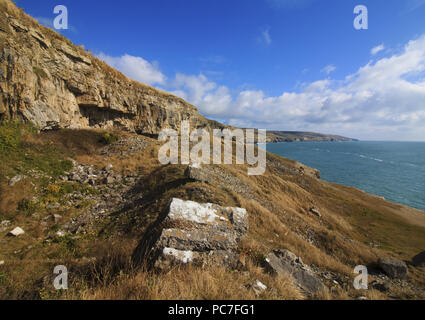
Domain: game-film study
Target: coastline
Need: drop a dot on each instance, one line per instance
(366, 165)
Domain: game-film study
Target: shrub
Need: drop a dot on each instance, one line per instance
(27, 206)
(108, 138)
(53, 189)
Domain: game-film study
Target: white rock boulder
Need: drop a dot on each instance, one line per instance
(16, 232)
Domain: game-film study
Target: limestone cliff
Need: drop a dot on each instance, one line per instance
(47, 80)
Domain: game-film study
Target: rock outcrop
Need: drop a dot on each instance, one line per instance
(285, 262)
(188, 231)
(380, 285)
(16, 232)
(419, 259)
(47, 80)
(197, 173)
(394, 268)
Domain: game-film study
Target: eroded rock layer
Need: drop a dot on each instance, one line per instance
(189, 231)
(47, 80)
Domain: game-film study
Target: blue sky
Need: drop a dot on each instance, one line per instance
(274, 64)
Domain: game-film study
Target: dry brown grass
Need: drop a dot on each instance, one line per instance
(279, 218)
(10, 197)
(194, 284)
(210, 283)
(268, 232)
(109, 274)
(143, 161)
(279, 213)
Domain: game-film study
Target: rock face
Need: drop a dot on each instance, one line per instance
(285, 262)
(393, 268)
(47, 80)
(195, 172)
(419, 259)
(188, 231)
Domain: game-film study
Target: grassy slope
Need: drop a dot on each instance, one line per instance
(278, 204)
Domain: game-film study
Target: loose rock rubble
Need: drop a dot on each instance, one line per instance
(113, 193)
(125, 146)
(4, 225)
(16, 179)
(287, 263)
(91, 175)
(188, 231)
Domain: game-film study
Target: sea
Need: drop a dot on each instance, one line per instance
(394, 170)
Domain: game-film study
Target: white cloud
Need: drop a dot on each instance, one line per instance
(377, 49)
(328, 69)
(198, 90)
(382, 100)
(136, 68)
(265, 37)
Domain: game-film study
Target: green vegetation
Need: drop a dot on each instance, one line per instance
(28, 207)
(22, 152)
(40, 72)
(108, 138)
(10, 135)
(278, 207)
(61, 189)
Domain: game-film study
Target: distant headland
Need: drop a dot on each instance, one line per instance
(298, 136)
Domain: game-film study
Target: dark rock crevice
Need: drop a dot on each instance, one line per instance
(98, 116)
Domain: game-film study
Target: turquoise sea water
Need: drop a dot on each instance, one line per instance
(394, 170)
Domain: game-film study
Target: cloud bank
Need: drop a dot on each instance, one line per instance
(383, 100)
(377, 49)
